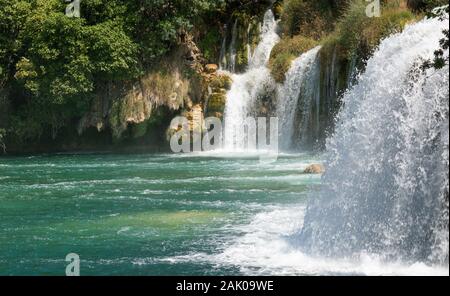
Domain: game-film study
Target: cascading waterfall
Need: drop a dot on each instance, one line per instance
(269, 38)
(227, 60)
(249, 47)
(386, 188)
(247, 87)
(296, 96)
(232, 65)
(223, 52)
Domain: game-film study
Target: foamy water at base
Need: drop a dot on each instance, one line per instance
(266, 248)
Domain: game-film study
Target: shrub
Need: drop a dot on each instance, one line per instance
(285, 52)
(310, 18)
(355, 33)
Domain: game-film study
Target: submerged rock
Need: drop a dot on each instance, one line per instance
(315, 169)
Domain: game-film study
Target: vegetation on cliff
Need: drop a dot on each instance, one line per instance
(285, 52)
(126, 67)
(54, 67)
(340, 26)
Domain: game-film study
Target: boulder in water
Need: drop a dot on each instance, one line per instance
(315, 169)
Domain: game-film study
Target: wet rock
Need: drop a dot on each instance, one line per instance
(211, 68)
(315, 169)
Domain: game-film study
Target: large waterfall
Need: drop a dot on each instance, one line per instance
(247, 87)
(386, 188)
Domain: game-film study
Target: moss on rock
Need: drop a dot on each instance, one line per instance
(219, 85)
(221, 81)
(217, 102)
(154, 90)
(285, 52)
(242, 37)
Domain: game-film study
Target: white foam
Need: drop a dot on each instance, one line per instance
(265, 248)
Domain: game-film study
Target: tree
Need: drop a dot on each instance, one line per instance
(440, 59)
(53, 64)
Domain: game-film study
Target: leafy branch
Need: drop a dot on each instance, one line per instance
(440, 59)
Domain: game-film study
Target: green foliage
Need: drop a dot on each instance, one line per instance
(311, 18)
(210, 45)
(158, 23)
(440, 59)
(13, 14)
(112, 52)
(221, 82)
(285, 52)
(217, 102)
(55, 63)
(357, 34)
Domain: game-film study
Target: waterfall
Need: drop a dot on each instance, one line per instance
(227, 61)
(296, 95)
(223, 52)
(249, 47)
(385, 191)
(249, 86)
(232, 65)
(269, 38)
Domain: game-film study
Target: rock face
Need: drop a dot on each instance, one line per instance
(196, 119)
(218, 86)
(119, 105)
(211, 68)
(315, 169)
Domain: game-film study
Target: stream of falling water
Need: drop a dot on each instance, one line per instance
(248, 86)
(299, 89)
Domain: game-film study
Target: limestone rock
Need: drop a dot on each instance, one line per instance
(315, 169)
(221, 81)
(211, 68)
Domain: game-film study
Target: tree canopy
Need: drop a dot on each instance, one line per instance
(52, 63)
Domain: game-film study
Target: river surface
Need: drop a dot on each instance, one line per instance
(140, 214)
(205, 214)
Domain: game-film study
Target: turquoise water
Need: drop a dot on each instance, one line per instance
(148, 214)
